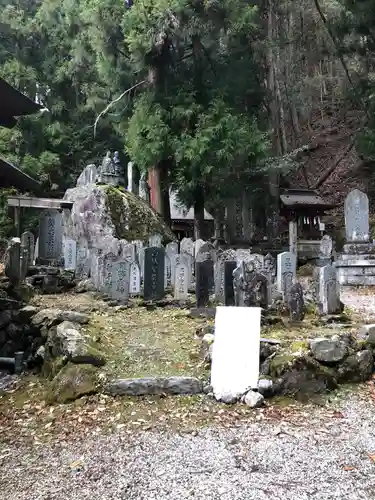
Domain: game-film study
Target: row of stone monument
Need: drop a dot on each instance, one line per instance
(233, 277)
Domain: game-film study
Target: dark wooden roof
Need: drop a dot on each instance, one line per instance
(11, 176)
(303, 198)
(14, 104)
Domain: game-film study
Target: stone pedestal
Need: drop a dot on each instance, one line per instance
(356, 265)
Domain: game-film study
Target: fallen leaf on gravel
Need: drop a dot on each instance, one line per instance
(338, 414)
(76, 464)
(349, 468)
(372, 458)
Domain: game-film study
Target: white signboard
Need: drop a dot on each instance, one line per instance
(235, 354)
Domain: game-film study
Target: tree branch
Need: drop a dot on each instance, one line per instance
(114, 102)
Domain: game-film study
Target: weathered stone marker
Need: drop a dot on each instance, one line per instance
(203, 278)
(167, 272)
(50, 235)
(120, 281)
(286, 272)
(229, 267)
(357, 217)
(154, 273)
(28, 242)
(296, 302)
(70, 255)
(181, 282)
(135, 279)
(235, 355)
(329, 292)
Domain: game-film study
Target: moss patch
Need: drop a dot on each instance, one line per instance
(133, 218)
(138, 343)
(299, 345)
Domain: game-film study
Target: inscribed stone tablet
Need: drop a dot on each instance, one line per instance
(357, 216)
(235, 355)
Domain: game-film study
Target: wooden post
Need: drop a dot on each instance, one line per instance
(17, 211)
(293, 236)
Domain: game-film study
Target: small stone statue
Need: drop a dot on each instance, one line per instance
(117, 163)
(107, 165)
(250, 287)
(144, 188)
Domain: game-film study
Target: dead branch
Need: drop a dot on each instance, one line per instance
(331, 169)
(114, 102)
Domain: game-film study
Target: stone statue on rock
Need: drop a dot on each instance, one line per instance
(144, 188)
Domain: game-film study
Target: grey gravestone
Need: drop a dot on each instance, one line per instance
(70, 255)
(82, 266)
(187, 246)
(171, 249)
(154, 273)
(155, 240)
(296, 302)
(135, 279)
(269, 265)
(28, 242)
(286, 273)
(219, 280)
(325, 251)
(325, 248)
(119, 289)
(186, 259)
(12, 259)
(243, 255)
(329, 291)
(250, 287)
(167, 272)
(139, 251)
(203, 278)
(36, 250)
(229, 267)
(50, 235)
(197, 246)
(24, 262)
(106, 271)
(128, 251)
(357, 216)
(181, 282)
(206, 252)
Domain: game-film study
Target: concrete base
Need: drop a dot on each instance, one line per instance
(356, 266)
(360, 271)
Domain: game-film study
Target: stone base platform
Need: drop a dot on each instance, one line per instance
(356, 265)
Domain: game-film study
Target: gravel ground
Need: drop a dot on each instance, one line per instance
(320, 453)
(318, 456)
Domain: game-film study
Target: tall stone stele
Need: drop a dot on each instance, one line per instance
(357, 262)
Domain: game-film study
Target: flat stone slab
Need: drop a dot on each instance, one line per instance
(356, 262)
(153, 386)
(359, 248)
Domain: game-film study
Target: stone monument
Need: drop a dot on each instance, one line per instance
(356, 265)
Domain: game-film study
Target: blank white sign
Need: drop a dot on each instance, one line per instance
(235, 353)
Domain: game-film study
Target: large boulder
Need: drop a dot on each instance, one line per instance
(72, 382)
(300, 374)
(328, 350)
(102, 215)
(67, 340)
(356, 368)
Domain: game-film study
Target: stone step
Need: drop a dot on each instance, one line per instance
(346, 257)
(355, 263)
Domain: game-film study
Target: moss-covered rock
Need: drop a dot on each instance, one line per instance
(73, 382)
(300, 375)
(356, 368)
(105, 214)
